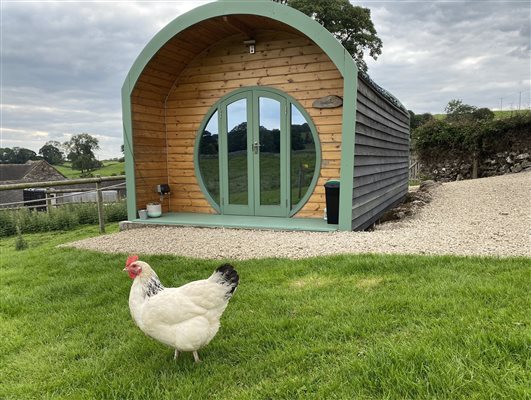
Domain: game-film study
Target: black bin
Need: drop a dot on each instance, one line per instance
(332, 201)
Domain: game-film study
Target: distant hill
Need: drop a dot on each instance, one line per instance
(110, 168)
(497, 114)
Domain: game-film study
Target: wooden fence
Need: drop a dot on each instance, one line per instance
(49, 184)
(414, 169)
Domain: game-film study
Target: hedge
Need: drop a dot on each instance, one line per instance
(64, 217)
(438, 136)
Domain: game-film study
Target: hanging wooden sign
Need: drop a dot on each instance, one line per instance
(328, 102)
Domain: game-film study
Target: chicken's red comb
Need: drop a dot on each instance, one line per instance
(130, 260)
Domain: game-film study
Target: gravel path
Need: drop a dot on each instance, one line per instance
(485, 217)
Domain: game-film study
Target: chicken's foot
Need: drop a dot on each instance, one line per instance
(176, 354)
(196, 357)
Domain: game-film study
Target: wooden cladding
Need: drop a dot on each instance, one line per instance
(199, 66)
(381, 163)
(285, 61)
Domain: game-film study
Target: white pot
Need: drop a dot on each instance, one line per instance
(154, 210)
(142, 214)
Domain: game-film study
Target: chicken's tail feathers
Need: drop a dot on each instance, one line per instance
(226, 275)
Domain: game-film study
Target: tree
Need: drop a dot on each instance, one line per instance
(456, 111)
(6, 155)
(237, 138)
(416, 120)
(351, 25)
(483, 114)
(80, 151)
(52, 152)
(208, 143)
(122, 158)
(16, 155)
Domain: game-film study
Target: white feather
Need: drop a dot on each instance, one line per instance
(186, 318)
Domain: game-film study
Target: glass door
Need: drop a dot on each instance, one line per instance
(236, 169)
(253, 154)
(270, 154)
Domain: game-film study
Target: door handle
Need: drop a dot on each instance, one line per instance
(256, 147)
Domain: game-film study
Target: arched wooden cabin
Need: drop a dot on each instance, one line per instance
(246, 110)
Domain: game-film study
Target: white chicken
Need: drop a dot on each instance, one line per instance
(185, 318)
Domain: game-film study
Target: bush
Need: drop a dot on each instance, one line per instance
(115, 212)
(8, 226)
(20, 243)
(62, 218)
(87, 213)
(468, 136)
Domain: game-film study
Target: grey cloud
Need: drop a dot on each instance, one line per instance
(64, 63)
(435, 51)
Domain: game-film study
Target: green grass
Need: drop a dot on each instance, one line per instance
(344, 327)
(109, 168)
(508, 113)
(497, 114)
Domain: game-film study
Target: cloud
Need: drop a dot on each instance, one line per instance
(435, 51)
(64, 62)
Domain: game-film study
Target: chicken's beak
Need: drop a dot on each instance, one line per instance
(125, 269)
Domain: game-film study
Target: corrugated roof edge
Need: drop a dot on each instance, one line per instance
(388, 96)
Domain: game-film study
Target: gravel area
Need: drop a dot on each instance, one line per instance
(484, 217)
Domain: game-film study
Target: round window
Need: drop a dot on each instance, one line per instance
(258, 154)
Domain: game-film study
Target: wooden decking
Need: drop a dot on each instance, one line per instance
(235, 221)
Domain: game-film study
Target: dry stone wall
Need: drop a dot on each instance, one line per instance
(511, 155)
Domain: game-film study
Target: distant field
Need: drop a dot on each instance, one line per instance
(110, 168)
(497, 114)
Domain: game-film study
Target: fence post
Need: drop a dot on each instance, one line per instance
(48, 202)
(474, 166)
(99, 198)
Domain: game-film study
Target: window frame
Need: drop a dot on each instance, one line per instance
(289, 101)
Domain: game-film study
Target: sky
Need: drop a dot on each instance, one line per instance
(63, 62)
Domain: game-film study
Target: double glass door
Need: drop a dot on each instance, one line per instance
(253, 151)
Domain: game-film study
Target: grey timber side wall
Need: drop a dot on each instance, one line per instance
(381, 156)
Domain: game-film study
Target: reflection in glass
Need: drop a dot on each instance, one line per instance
(209, 157)
(237, 152)
(269, 134)
(303, 156)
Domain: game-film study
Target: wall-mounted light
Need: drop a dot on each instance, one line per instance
(250, 43)
(162, 190)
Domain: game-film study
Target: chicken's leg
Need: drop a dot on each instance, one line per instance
(196, 357)
(176, 354)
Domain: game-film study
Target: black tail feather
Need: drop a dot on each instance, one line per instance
(229, 277)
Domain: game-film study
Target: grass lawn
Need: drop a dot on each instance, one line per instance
(344, 327)
(497, 114)
(109, 168)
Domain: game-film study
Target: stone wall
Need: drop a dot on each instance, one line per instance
(510, 155)
(42, 172)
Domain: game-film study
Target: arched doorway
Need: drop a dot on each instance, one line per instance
(258, 154)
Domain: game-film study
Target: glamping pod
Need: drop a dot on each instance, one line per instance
(242, 111)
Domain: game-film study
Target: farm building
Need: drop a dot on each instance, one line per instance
(245, 110)
(31, 171)
(41, 171)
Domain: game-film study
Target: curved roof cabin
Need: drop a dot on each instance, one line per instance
(246, 110)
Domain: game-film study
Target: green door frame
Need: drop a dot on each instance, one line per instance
(226, 206)
(253, 206)
(281, 210)
(219, 107)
